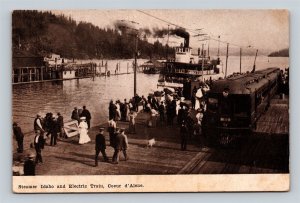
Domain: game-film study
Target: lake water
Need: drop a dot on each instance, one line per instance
(63, 96)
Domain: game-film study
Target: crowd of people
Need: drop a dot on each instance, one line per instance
(50, 127)
(168, 106)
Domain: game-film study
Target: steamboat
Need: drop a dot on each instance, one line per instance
(188, 70)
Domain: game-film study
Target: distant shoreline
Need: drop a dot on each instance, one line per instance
(280, 53)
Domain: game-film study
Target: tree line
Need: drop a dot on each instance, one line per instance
(280, 53)
(42, 32)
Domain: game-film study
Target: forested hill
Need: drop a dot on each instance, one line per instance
(41, 33)
(280, 53)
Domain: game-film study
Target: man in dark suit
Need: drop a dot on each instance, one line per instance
(60, 125)
(38, 145)
(85, 113)
(75, 114)
(19, 137)
(183, 135)
(100, 146)
(54, 129)
(29, 166)
(121, 144)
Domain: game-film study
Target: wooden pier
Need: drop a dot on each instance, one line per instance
(276, 120)
(34, 70)
(260, 153)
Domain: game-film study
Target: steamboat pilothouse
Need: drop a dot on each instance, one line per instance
(188, 70)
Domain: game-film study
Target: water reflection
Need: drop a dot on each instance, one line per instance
(30, 99)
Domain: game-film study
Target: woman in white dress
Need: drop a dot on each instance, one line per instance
(83, 130)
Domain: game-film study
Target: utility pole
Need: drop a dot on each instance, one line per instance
(240, 59)
(208, 49)
(253, 70)
(136, 35)
(167, 45)
(219, 46)
(226, 60)
(202, 66)
(135, 63)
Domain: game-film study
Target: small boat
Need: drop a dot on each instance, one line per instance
(151, 67)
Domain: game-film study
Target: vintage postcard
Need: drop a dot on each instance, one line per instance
(150, 100)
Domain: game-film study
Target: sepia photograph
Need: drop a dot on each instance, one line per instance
(150, 100)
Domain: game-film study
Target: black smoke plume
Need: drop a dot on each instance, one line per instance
(124, 27)
(177, 31)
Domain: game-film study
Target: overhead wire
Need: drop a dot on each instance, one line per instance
(192, 30)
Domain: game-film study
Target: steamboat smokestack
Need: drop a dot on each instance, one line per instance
(180, 32)
(184, 34)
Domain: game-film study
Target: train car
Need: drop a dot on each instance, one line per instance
(235, 104)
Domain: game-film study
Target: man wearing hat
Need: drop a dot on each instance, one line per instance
(114, 136)
(37, 124)
(19, 137)
(100, 146)
(54, 129)
(60, 125)
(121, 144)
(86, 113)
(38, 145)
(29, 165)
(75, 115)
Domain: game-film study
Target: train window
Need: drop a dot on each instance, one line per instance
(241, 106)
(212, 104)
(225, 106)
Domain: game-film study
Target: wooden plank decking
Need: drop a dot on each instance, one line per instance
(264, 152)
(276, 119)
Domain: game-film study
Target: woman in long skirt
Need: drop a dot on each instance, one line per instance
(83, 130)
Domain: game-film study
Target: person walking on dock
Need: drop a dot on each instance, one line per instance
(19, 136)
(112, 125)
(60, 125)
(144, 102)
(126, 110)
(118, 111)
(47, 123)
(183, 135)
(121, 144)
(132, 116)
(193, 97)
(75, 115)
(53, 131)
(137, 100)
(122, 110)
(112, 110)
(29, 165)
(38, 146)
(86, 113)
(37, 124)
(161, 110)
(100, 146)
(83, 130)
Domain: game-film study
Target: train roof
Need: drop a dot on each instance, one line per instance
(246, 83)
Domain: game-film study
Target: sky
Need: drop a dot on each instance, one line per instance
(260, 29)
